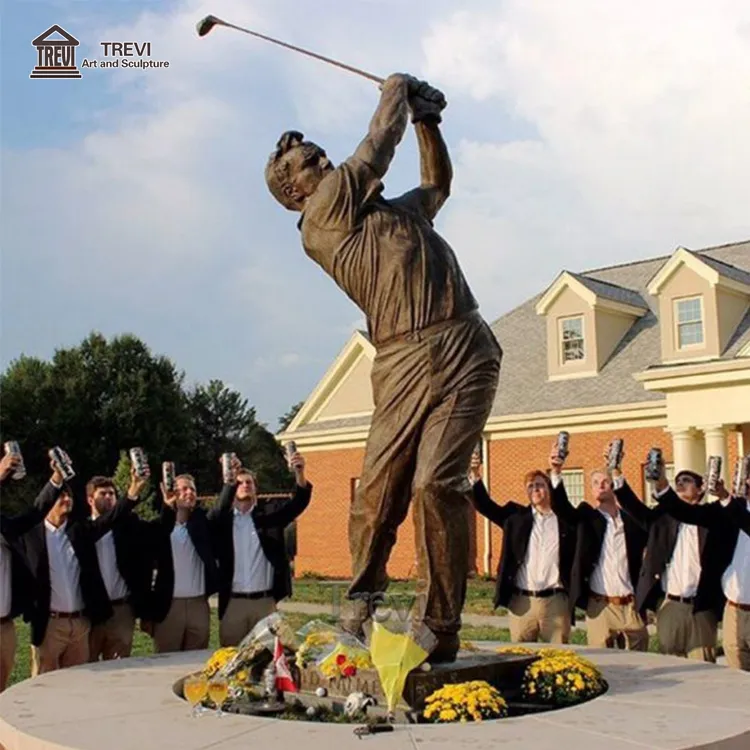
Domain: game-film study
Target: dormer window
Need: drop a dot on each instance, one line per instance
(571, 336)
(689, 319)
(586, 320)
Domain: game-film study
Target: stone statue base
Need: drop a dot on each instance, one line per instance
(502, 671)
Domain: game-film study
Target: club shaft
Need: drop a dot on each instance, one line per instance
(307, 52)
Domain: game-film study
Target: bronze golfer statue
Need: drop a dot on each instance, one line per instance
(437, 364)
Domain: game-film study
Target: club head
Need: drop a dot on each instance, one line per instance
(206, 24)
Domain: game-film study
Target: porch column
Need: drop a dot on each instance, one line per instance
(688, 450)
(716, 445)
(743, 439)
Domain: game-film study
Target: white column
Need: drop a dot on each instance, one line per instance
(688, 450)
(743, 440)
(487, 528)
(716, 445)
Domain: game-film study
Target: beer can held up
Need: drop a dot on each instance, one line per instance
(714, 474)
(138, 459)
(13, 448)
(654, 464)
(63, 462)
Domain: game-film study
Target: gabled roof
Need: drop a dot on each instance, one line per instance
(595, 293)
(612, 292)
(358, 345)
(714, 270)
(730, 272)
(524, 387)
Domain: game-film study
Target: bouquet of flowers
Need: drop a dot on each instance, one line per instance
(335, 652)
(345, 660)
(256, 648)
(218, 659)
(317, 638)
(467, 701)
(561, 677)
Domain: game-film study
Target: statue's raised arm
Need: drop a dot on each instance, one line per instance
(426, 103)
(387, 125)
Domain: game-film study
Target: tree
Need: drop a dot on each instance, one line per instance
(286, 420)
(100, 398)
(94, 400)
(222, 421)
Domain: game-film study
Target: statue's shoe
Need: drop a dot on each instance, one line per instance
(355, 619)
(446, 648)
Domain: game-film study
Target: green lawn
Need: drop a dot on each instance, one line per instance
(479, 594)
(143, 645)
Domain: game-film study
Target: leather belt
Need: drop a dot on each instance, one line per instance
(68, 615)
(252, 595)
(122, 600)
(541, 594)
(681, 599)
(6, 619)
(619, 600)
(741, 607)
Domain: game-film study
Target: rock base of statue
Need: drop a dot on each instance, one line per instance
(502, 671)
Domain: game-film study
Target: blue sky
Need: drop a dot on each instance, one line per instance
(581, 136)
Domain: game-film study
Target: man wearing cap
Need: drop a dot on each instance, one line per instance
(679, 580)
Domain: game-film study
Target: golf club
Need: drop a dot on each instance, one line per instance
(208, 23)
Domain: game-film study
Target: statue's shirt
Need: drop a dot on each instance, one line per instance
(384, 254)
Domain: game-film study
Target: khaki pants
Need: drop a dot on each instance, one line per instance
(615, 626)
(241, 616)
(113, 639)
(433, 392)
(736, 637)
(186, 627)
(65, 644)
(535, 617)
(7, 651)
(685, 633)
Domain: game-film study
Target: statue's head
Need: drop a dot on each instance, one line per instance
(295, 169)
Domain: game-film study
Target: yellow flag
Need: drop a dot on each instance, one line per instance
(394, 655)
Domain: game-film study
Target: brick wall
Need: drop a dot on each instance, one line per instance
(510, 459)
(322, 529)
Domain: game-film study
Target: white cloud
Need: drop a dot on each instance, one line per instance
(640, 111)
(582, 133)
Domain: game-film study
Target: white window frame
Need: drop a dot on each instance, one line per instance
(561, 336)
(575, 485)
(676, 317)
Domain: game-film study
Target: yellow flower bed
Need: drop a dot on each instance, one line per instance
(218, 659)
(464, 702)
(561, 677)
(518, 650)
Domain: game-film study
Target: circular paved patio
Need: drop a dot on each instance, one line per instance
(658, 702)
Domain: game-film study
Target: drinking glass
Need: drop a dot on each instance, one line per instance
(218, 692)
(195, 689)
